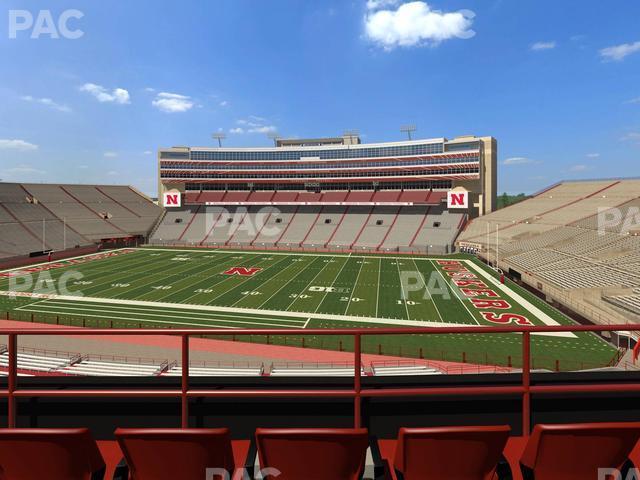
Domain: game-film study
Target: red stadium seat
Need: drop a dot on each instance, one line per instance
(313, 454)
(460, 453)
(576, 452)
(170, 454)
(51, 454)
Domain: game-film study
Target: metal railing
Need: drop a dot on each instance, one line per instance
(525, 389)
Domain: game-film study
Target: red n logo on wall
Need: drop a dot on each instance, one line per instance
(244, 271)
(171, 199)
(457, 199)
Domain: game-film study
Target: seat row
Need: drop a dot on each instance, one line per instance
(552, 452)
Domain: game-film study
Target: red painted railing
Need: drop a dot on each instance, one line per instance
(525, 389)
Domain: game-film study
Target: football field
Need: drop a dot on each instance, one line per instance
(156, 287)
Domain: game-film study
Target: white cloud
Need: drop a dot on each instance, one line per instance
(224, 103)
(47, 102)
(112, 173)
(593, 155)
(254, 124)
(83, 167)
(263, 129)
(20, 145)
(26, 169)
(517, 161)
(536, 47)
(414, 23)
(632, 136)
(617, 53)
(103, 95)
(172, 102)
(580, 168)
(110, 154)
(633, 100)
(147, 152)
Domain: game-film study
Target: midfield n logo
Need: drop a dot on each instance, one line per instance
(244, 271)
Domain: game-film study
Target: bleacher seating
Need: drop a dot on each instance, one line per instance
(563, 238)
(39, 217)
(330, 220)
(99, 368)
(35, 362)
(219, 370)
(385, 370)
(312, 370)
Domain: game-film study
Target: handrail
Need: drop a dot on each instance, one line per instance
(357, 392)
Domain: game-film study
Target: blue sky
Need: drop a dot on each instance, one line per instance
(557, 82)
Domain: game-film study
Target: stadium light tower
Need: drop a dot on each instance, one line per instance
(219, 136)
(408, 129)
(274, 137)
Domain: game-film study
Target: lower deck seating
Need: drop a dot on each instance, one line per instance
(40, 217)
(313, 371)
(577, 241)
(216, 371)
(330, 226)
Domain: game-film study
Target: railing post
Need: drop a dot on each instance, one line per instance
(357, 381)
(13, 375)
(526, 383)
(185, 381)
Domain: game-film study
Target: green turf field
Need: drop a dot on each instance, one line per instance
(155, 287)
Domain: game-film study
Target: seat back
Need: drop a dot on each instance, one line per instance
(169, 454)
(454, 453)
(313, 454)
(575, 452)
(54, 454)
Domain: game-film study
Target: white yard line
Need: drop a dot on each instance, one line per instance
(454, 293)
(233, 287)
(143, 309)
(539, 314)
(353, 289)
(332, 283)
(60, 311)
(287, 283)
(405, 298)
(212, 308)
(307, 286)
(378, 285)
(305, 254)
(424, 280)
